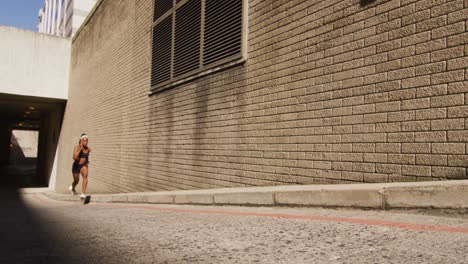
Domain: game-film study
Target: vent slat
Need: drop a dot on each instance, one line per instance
(222, 20)
(215, 56)
(236, 33)
(219, 52)
(219, 28)
(222, 53)
(213, 11)
(216, 5)
(216, 49)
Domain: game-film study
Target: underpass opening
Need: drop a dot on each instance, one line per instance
(29, 133)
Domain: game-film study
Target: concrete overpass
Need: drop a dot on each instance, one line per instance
(34, 72)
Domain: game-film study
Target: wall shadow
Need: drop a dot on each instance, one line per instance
(24, 237)
(34, 230)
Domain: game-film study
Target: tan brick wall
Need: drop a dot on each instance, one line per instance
(332, 92)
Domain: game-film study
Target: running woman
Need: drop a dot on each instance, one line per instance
(80, 165)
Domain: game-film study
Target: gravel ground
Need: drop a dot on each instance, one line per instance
(35, 229)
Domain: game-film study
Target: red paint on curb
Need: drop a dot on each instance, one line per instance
(400, 225)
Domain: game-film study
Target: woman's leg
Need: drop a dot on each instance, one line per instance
(84, 173)
(76, 179)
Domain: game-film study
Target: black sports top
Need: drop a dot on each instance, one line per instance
(83, 155)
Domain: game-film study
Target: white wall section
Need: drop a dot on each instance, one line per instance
(34, 64)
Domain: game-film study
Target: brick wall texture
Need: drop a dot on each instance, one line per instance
(333, 91)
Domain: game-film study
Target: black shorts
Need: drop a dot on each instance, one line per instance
(76, 168)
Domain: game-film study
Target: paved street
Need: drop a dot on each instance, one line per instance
(35, 229)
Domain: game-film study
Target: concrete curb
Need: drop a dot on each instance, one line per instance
(441, 195)
(33, 190)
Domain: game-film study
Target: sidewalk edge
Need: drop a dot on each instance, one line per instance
(437, 195)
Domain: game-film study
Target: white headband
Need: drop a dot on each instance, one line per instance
(83, 137)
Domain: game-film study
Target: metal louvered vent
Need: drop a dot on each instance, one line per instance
(223, 30)
(161, 60)
(192, 38)
(187, 38)
(161, 7)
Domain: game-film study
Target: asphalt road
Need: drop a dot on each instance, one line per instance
(35, 229)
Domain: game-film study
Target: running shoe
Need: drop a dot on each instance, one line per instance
(72, 190)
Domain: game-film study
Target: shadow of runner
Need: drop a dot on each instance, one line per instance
(87, 199)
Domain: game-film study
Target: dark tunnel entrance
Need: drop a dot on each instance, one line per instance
(29, 133)
(22, 167)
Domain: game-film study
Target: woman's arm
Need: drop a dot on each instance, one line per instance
(76, 152)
